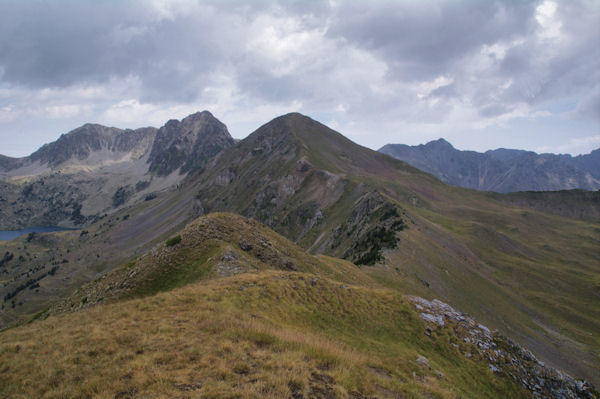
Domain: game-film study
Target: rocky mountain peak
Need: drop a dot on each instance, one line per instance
(188, 144)
(302, 128)
(440, 144)
(281, 132)
(79, 143)
(199, 116)
(505, 154)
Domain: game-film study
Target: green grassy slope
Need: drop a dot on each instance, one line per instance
(533, 276)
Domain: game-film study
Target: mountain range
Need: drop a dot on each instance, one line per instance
(94, 169)
(502, 170)
(316, 213)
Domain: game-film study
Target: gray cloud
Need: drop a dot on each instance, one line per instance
(425, 39)
(460, 64)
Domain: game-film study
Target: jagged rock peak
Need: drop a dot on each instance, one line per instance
(188, 144)
(200, 116)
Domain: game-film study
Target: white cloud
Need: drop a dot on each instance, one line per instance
(546, 16)
(580, 144)
(133, 113)
(425, 88)
(63, 111)
(8, 113)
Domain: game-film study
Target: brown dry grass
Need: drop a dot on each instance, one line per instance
(279, 336)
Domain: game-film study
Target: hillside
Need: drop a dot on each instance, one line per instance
(332, 196)
(233, 309)
(530, 273)
(94, 169)
(573, 204)
(216, 245)
(501, 170)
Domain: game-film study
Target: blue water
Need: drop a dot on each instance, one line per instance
(6, 235)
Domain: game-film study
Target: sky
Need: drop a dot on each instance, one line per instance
(482, 74)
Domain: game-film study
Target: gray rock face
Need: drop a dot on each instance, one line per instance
(188, 144)
(501, 170)
(81, 142)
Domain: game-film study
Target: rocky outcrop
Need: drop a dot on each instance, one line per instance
(505, 358)
(501, 170)
(371, 228)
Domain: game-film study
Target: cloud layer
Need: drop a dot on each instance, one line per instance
(480, 73)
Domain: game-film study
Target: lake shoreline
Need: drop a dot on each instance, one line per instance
(7, 235)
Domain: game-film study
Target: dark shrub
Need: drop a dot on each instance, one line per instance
(173, 241)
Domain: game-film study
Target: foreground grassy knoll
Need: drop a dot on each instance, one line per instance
(267, 334)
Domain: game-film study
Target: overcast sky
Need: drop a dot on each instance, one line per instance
(482, 74)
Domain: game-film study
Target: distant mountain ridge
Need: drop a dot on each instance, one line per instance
(501, 170)
(95, 169)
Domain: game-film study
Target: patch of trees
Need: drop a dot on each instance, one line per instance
(76, 215)
(141, 185)
(8, 256)
(27, 191)
(31, 284)
(372, 243)
(371, 228)
(121, 196)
